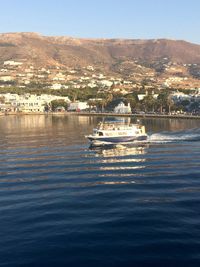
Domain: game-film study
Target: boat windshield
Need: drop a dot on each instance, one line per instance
(114, 126)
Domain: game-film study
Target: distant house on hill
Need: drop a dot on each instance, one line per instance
(142, 96)
(12, 63)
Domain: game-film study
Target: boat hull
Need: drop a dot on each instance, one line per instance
(116, 139)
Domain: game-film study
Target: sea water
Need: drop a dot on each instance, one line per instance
(64, 203)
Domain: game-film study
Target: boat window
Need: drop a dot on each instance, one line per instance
(100, 134)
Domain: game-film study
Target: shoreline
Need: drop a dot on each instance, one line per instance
(166, 116)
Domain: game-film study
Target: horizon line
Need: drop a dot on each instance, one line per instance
(98, 38)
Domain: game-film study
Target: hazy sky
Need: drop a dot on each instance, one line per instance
(174, 19)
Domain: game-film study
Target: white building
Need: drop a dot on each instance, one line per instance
(142, 96)
(77, 106)
(58, 86)
(92, 85)
(179, 96)
(59, 77)
(31, 103)
(6, 78)
(12, 63)
(122, 109)
(89, 67)
(106, 83)
(10, 98)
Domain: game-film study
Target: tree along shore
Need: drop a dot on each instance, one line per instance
(170, 116)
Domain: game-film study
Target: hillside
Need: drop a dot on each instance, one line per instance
(68, 51)
(159, 60)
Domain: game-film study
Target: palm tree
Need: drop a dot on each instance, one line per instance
(2, 99)
(162, 100)
(92, 103)
(105, 99)
(170, 102)
(132, 100)
(149, 103)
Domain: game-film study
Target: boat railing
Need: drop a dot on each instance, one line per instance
(117, 126)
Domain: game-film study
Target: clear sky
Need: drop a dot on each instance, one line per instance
(135, 19)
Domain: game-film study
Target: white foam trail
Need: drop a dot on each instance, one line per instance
(165, 137)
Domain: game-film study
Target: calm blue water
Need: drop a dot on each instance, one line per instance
(65, 204)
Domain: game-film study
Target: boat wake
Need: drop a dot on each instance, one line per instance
(165, 137)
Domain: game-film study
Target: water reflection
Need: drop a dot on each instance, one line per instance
(119, 150)
(121, 158)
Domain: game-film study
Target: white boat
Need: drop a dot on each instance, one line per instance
(117, 132)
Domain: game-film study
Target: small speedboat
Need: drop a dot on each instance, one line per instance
(117, 132)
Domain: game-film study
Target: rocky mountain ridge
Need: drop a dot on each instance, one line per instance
(68, 50)
(156, 59)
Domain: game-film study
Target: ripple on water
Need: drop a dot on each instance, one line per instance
(120, 206)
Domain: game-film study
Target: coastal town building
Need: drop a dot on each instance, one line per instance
(12, 63)
(6, 78)
(28, 102)
(78, 106)
(121, 108)
(142, 96)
